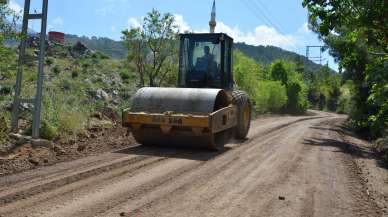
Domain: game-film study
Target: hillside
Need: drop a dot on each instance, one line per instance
(262, 54)
(268, 54)
(114, 49)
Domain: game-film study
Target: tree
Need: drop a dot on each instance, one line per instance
(356, 31)
(279, 72)
(151, 46)
(8, 19)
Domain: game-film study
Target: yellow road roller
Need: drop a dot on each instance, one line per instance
(205, 110)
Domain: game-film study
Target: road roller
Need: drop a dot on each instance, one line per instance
(204, 110)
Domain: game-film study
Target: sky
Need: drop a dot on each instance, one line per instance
(256, 22)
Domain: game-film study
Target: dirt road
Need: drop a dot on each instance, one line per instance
(290, 166)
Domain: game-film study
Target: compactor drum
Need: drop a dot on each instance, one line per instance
(204, 110)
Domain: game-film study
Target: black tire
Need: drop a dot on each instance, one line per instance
(244, 114)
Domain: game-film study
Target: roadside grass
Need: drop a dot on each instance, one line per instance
(67, 104)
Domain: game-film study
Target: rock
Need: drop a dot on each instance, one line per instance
(103, 95)
(381, 145)
(98, 115)
(99, 94)
(95, 124)
(79, 49)
(115, 102)
(59, 150)
(26, 106)
(81, 147)
(122, 214)
(8, 106)
(33, 160)
(20, 139)
(41, 143)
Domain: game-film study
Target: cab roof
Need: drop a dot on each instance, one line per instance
(204, 36)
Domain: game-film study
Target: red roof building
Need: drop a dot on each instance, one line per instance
(58, 37)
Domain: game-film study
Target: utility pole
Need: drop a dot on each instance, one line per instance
(37, 101)
(319, 58)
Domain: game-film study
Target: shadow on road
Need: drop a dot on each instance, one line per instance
(174, 152)
(344, 146)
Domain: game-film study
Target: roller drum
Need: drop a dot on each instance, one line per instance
(179, 101)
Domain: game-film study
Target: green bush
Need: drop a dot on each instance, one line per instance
(4, 128)
(270, 96)
(297, 103)
(71, 122)
(345, 102)
(125, 75)
(49, 61)
(56, 69)
(279, 72)
(286, 73)
(48, 131)
(66, 85)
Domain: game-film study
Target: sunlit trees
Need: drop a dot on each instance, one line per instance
(152, 48)
(356, 32)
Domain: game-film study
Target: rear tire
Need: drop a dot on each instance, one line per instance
(244, 114)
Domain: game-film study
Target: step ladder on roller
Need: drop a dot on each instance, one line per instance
(37, 101)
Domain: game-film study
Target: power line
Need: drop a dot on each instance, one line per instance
(316, 59)
(274, 25)
(257, 11)
(264, 7)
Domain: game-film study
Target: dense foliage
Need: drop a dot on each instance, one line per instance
(269, 54)
(275, 88)
(356, 32)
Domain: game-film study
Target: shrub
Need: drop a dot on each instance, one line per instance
(297, 100)
(345, 102)
(4, 128)
(48, 131)
(49, 61)
(71, 122)
(279, 72)
(5, 90)
(75, 74)
(125, 75)
(66, 85)
(56, 70)
(269, 96)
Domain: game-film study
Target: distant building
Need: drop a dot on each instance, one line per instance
(58, 37)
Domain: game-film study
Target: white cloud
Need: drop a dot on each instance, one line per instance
(113, 28)
(15, 7)
(304, 29)
(58, 21)
(133, 23)
(261, 35)
(181, 23)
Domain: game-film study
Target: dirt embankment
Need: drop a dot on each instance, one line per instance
(289, 166)
(104, 135)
